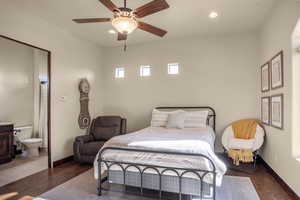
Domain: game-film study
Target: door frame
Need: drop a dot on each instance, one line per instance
(49, 92)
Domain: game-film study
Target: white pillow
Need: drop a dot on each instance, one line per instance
(196, 119)
(160, 118)
(176, 120)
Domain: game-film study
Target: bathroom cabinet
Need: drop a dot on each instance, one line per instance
(6, 142)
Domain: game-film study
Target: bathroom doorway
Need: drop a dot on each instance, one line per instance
(25, 131)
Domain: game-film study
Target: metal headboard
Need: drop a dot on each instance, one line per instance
(211, 119)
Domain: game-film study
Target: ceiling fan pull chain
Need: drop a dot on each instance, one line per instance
(125, 45)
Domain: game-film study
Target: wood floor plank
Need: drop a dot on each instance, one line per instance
(43, 181)
(266, 185)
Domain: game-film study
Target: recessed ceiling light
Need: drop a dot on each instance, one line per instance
(112, 31)
(213, 15)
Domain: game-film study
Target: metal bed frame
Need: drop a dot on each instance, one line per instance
(159, 169)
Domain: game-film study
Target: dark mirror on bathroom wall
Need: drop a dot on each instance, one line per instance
(25, 109)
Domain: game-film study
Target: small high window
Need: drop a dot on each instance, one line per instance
(145, 70)
(173, 68)
(120, 72)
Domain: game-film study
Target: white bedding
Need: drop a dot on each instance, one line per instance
(188, 140)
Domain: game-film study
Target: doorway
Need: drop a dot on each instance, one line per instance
(26, 98)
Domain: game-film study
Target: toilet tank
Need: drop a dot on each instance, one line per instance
(24, 132)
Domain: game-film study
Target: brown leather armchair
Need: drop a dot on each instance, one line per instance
(102, 129)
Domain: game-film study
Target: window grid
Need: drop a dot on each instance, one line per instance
(173, 68)
(145, 70)
(120, 72)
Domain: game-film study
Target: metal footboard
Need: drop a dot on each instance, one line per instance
(160, 170)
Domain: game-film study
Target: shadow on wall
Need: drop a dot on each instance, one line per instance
(138, 120)
(296, 91)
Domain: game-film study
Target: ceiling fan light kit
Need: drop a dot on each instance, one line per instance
(125, 19)
(124, 22)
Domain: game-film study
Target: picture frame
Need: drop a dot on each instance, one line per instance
(277, 71)
(265, 77)
(265, 110)
(277, 111)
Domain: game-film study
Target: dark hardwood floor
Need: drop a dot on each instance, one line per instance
(43, 181)
(266, 185)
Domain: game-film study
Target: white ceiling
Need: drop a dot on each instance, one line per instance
(183, 18)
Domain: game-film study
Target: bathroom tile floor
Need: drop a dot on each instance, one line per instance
(22, 167)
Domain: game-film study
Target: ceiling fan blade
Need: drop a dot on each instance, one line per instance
(151, 29)
(91, 20)
(109, 4)
(122, 36)
(151, 8)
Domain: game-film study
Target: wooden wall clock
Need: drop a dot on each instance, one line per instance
(84, 118)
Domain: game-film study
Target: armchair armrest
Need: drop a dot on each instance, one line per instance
(84, 139)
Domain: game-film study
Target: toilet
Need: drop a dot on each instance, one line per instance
(24, 135)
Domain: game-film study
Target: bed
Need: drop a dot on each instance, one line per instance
(168, 160)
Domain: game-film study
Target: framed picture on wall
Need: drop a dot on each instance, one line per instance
(277, 111)
(265, 110)
(265, 77)
(277, 71)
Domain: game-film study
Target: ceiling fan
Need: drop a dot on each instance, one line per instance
(125, 19)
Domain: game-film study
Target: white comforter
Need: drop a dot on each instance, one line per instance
(192, 140)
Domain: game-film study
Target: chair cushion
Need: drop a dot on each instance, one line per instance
(235, 143)
(106, 127)
(84, 138)
(105, 133)
(91, 148)
(229, 141)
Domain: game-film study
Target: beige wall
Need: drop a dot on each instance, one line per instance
(276, 35)
(296, 92)
(72, 59)
(16, 83)
(216, 71)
